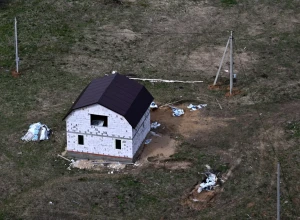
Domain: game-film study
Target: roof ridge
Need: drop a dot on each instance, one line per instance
(134, 100)
(114, 77)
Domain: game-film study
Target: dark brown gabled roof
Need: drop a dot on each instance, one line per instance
(117, 93)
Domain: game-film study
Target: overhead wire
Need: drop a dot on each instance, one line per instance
(266, 133)
(263, 125)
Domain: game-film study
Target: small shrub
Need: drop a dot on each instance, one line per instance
(229, 2)
(294, 129)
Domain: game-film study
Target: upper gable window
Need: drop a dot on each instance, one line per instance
(99, 120)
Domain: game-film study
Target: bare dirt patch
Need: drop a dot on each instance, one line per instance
(160, 147)
(199, 201)
(173, 165)
(120, 34)
(189, 124)
(208, 59)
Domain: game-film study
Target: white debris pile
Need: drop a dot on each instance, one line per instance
(177, 112)
(154, 125)
(153, 105)
(138, 163)
(196, 107)
(116, 166)
(148, 141)
(94, 165)
(82, 164)
(209, 183)
(37, 132)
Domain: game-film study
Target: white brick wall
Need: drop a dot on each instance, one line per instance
(99, 140)
(99, 145)
(141, 131)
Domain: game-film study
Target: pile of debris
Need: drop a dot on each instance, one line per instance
(94, 164)
(154, 125)
(196, 107)
(177, 112)
(209, 183)
(204, 192)
(153, 105)
(37, 132)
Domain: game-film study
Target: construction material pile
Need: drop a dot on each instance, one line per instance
(37, 132)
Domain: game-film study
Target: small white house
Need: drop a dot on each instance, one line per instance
(109, 120)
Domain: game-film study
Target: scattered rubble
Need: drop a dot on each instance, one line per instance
(148, 141)
(196, 107)
(116, 166)
(138, 163)
(155, 134)
(95, 164)
(177, 111)
(37, 132)
(153, 105)
(208, 167)
(154, 125)
(82, 164)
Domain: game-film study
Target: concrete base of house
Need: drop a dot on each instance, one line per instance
(139, 152)
(82, 155)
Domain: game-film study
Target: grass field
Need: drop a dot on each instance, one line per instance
(63, 44)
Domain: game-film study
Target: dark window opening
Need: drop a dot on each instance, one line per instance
(118, 144)
(99, 120)
(80, 139)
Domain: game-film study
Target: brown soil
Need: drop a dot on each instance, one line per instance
(217, 87)
(160, 147)
(188, 125)
(199, 201)
(176, 165)
(15, 74)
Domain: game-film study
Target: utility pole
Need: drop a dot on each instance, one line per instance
(231, 62)
(16, 46)
(278, 191)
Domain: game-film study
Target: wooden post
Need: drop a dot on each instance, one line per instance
(278, 191)
(16, 46)
(220, 66)
(231, 63)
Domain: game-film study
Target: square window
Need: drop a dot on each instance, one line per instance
(80, 140)
(99, 120)
(118, 144)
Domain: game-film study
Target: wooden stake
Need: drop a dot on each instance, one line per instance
(278, 191)
(168, 104)
(219, 104)
(231, 63)
(64, 157)
(16, 46)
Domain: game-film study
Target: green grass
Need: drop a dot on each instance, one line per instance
(65, 44)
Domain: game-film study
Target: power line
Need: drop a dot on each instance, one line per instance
(269, 141)
(267, 136)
